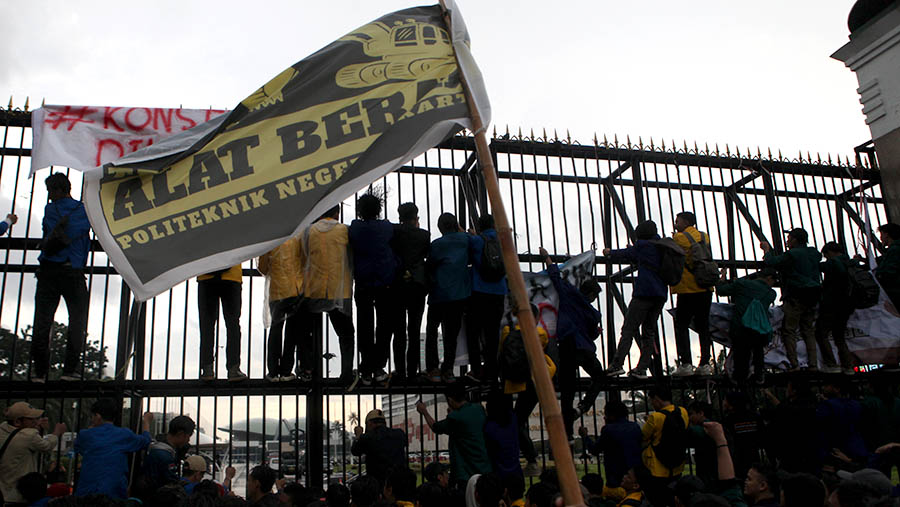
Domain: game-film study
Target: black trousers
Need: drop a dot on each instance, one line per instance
(306, 349)
(55, 281)
(483, 315)
(374, 303)
(287, 322)
(525, 403)
(209, 294)
(570, 360)
(833, 319)
(746, 343)
(410, 299)
(449, 316)
(694, 307)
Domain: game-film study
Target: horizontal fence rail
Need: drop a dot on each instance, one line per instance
(560, 195)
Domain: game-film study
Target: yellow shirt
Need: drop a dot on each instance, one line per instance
(688, 284)
(325, 258)
(232, 274)
(652, 432)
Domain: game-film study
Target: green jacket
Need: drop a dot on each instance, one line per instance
(743, 291)
(799, 268)
(888, 270)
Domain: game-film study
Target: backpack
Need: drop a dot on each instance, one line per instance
(492, 269)
(864, 290)
(672, 446)
(705, 270)
(513, 358)
(671, 264)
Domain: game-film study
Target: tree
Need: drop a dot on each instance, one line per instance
(354, 419)
(94, 357)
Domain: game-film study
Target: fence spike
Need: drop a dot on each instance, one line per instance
(545, 133)
(663, 143)
(42, 102)
(779, 154)
(10, 103)
(615, 140)
(494, 135)
(532, 134)
(595, 140)
(706, 147)
(555, 137)
(640, 143)
(808, 157)
(717, 149)
(26, 104)
(568, 137)
(727, 150)
(674, 146)
(605, 142)
(748, 152)
(507, 130)
(829, 158)
(628, 140)
(685, 145)
(520, 132)
(818, 158)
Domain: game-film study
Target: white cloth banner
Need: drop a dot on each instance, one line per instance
(84, 137)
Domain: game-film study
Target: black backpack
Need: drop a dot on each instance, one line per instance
(671, 264)
(513, 358)
(705, 270)
(672, 446)
(492, 269)
(864, 290)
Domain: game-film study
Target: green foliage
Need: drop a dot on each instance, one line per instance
(95, 359)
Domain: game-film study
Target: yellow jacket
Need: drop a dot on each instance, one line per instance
(517, 387)
(688, 285)
(652, 432)
(232, 274)
(325, 257)
(283, 269)
(631, 499)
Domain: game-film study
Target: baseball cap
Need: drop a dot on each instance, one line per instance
(870, 477)
(374, 415)
(22, 409)
(195, 463)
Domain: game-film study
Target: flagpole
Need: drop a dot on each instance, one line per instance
(559, 444)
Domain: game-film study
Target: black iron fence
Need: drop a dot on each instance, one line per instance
(563, 195)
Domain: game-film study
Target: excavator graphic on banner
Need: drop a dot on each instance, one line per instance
(407, 51)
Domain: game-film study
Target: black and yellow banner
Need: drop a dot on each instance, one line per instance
(237, 186)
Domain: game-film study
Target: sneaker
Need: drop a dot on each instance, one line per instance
(831, 369)
(40, 379)
(350, 380)
(705, 369)
(365, 379)
(580, 410)
(447, 377)
(380, 376)
(759, 379)
(473, 376)
(433, 376)
(207, 373)
(532, 469)
(236, 375)
(272, 377)
(288, 378)
(614, 371)
(683, 370)
(848, 371)
(69, 377)
(637, 374)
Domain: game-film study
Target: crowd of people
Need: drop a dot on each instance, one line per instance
(834, 448)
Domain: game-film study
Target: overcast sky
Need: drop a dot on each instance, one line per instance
(745, 73)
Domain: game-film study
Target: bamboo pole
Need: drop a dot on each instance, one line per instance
(562, 454)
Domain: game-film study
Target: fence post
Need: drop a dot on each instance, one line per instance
(314, 414)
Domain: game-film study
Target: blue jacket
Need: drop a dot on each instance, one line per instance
(620, 444)
(577, 319)
(374, 262)
(3, 227)
(104, 467)
(838, 424)
(78, 230)
(161, 464)
(479, 285)
(647, 257)
(448, 268)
